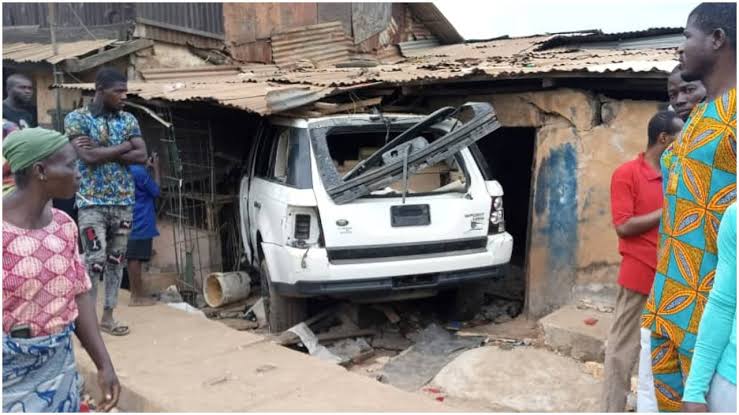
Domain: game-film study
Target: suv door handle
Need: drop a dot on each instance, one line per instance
(257, 205)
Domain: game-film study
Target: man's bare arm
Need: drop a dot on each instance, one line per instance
(137, 155)
(638, 225)
(92, 154)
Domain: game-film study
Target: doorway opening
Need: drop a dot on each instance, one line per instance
(509, 153)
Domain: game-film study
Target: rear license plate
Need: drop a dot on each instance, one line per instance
(410, 215)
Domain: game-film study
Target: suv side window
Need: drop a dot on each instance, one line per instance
(290, 159)
(263, 152)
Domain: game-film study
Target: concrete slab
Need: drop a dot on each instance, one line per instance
(565, 330)
(523, 379)
(178, 362)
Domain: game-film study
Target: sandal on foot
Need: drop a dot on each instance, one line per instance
(114, 328)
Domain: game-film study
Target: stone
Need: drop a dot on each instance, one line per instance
(390, 340)
(566, 332)
(523, 379)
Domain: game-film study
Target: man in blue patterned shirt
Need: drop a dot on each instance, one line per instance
(107, 139)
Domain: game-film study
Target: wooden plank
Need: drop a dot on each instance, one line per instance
(79, 65)
(327, 108)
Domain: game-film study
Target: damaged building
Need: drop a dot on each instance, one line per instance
(572, 108)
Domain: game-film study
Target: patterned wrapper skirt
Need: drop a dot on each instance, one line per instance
(39, 374)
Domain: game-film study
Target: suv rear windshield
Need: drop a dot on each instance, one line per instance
(348, 146)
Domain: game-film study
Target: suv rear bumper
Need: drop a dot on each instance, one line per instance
(388, 285)
(301, 273)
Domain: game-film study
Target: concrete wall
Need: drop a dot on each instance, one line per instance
(581, 139)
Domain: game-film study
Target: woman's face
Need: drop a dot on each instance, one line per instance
(62, 179)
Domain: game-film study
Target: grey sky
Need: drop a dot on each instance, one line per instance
(486, 19)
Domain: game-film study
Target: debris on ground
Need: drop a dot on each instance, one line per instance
(391, 340)
(352, 350)
(433, 349)
(500, 311)
(171, 295)
(187, 308)
(310, 341)
(595, 369)
(240, 324)
(586, 304)
(257, 313)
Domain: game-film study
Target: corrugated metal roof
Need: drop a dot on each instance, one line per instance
(657, 37)
(493, 67)
(417, 47)
(266, 89)
(263, 98)
(322, 44)
(39, 52)
(434, 19)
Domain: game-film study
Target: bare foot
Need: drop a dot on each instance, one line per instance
(141, 302)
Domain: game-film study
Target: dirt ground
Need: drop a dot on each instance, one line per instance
(496, 362)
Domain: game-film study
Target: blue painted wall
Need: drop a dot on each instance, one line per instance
(555, 204)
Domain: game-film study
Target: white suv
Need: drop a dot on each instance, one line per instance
(373, 207)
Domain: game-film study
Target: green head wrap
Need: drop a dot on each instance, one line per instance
(24, 147)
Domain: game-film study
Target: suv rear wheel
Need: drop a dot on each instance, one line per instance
(282, 312)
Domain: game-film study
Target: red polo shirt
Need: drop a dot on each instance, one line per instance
(636, 189)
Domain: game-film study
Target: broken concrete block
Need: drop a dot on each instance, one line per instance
(350, 349)
(565, 332)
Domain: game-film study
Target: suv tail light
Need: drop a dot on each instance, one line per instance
(497, 220)
(303, 227)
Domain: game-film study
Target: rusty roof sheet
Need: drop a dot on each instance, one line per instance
(263, 98)
(41, 52)
(526, 64)
(322, 44)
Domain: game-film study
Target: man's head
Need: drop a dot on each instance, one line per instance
(662, 130)
(20, 89)
(709, 34)
(684, 96)
(111, 86)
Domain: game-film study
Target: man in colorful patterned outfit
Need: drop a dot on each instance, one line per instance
(700, 184)
(107, 139)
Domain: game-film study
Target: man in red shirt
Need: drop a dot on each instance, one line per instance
(636, 207)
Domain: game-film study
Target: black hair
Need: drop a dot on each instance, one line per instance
(711, 16)
(107, 77)
(676, 70)
(661, 122)
(22, 177)
(13, 80)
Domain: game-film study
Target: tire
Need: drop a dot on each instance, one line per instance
(282, 312)
(467, 301)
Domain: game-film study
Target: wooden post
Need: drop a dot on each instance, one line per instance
(59, 124)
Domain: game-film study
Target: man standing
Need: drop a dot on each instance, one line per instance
(636, 206)
(700, 175)
(144, 226)
(18, 103)
(106, 139)
(684, 96)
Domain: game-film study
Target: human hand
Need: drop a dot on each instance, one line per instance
(153, 161)
(109, 387)
(83, 142)
(694, 407)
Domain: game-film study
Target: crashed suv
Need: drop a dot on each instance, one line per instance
(373, 207)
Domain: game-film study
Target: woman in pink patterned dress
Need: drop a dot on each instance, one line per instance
(45, 287)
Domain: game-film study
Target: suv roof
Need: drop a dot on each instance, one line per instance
(305, 122)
